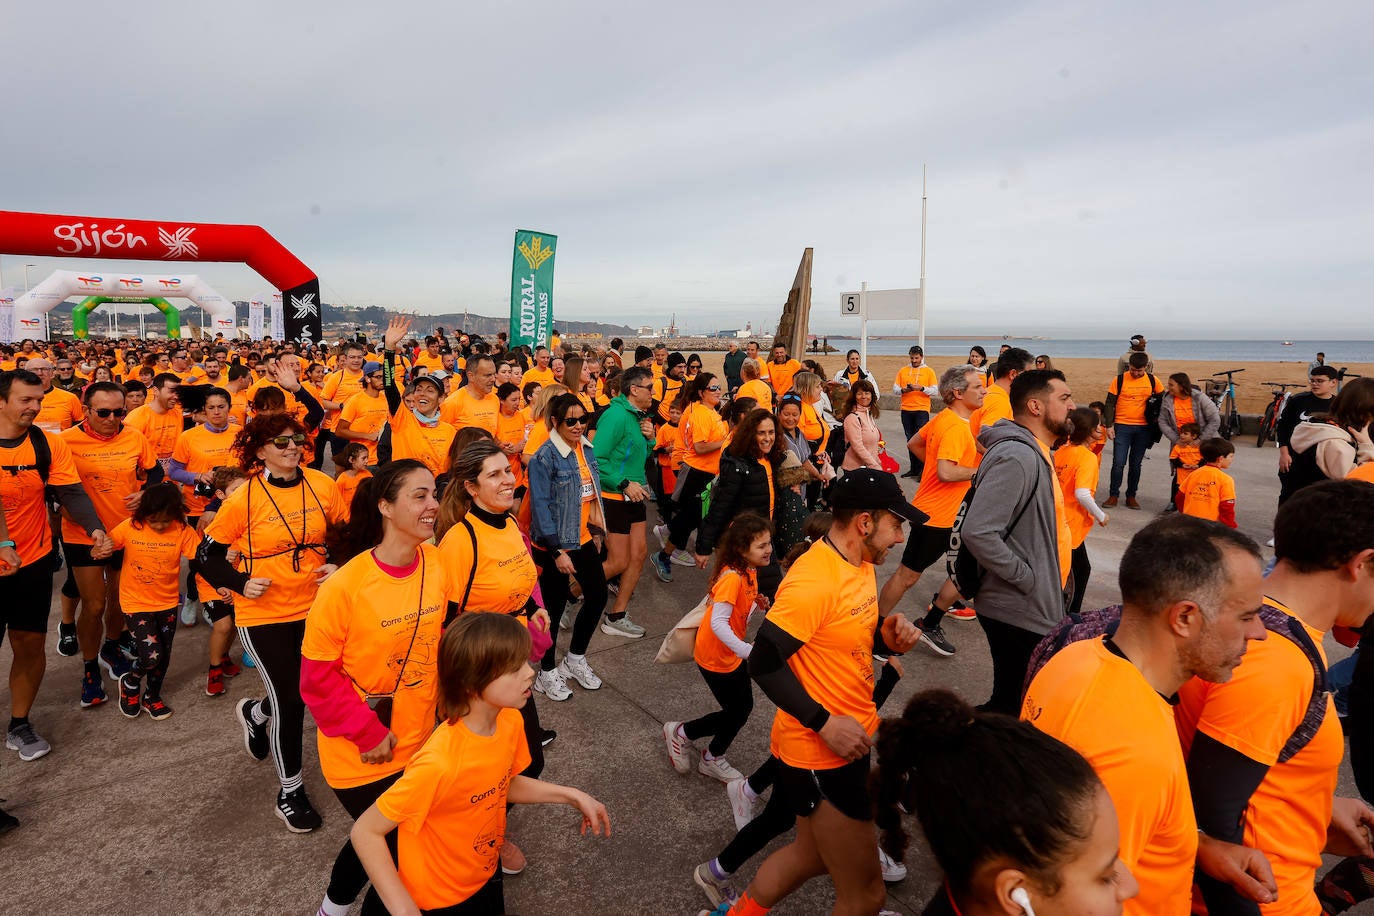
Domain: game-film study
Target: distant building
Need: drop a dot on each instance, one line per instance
(644, 331)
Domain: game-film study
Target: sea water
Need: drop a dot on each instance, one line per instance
(1338, 352)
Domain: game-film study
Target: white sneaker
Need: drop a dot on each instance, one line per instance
(718, 768)
(552, 685)
(580, 671)
(622, 627)
(662, 532)
(741, 805)
(566, 622)
(893, 871)
(683, 558)
(717, 890)
(190, 610)
(680, 750)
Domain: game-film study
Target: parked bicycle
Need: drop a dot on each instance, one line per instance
(1269, 423)
(1223, 394)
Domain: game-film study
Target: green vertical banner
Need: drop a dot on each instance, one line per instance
(531, 288)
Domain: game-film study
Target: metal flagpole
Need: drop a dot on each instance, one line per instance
(863, 324)
(921, 290)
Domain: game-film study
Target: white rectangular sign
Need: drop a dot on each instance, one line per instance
(255, 320)
(6, 316)
(883, 304)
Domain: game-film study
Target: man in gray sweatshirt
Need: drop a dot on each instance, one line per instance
(1012, 528)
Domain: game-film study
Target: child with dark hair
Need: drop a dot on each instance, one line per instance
(154, 539)
(1210, 492)
(1184, 457)
(352, 464)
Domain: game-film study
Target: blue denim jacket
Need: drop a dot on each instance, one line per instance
(556, 494)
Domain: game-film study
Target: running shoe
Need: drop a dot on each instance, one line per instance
(552, 685)
(893, 871)
(255, 739)
(662, 532)
(113, 660)
(741, 805)
(67, 645)
(513, 861)
(129, 703)
(214, 682)
(662, 567)
(190, 610)
(92, 689)
(580, 671)
(205, 614)
(27, 742)
(962, 612)
(622, 627)
(717, 890)
(680, 750)
(683, 558)
(229, 668)
(546, 736)
(296, 812)
(722, 909)
(155, 708)
(718, 768)
(934, 637)
(7, 822)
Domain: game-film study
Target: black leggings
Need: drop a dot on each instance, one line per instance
(687, 507)
(490, 900)
(348, 878)
(735, 694)
(276, 648)
(1011, 649)
(776, 818)
(588, 572)
(152, 634)
(1082, 569)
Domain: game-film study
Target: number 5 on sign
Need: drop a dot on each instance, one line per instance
(849, 304)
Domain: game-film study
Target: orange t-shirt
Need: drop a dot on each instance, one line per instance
(739, 591)
(339, 386)
(461, 409)
(831, 606)
(1363, 472)
(451, 808)
(364, 619)
(780, 375)
(429, 363)
(426, 444)
(922, 375)
(148, 580)
(1077, 467)
(348, 482)
(511, 431)
(996, 406)
(193, 376)
(1130, 400)
(702, 424)
(535, 374)
(1061, 519)
(60, 410)
(1255, 713)
(238, 407)
(23, 498)
(162, 430)
(588, 493)
(947, 437)
(254, 518)
(202, 450)
(1100, 705)
(813, 427)
(1183, 412)
(539, 434)
(668, 440)
(365, 414)
(110, 471)
(1208, 487)
(666, 390)
(757, 389)
(505, 575)
(1186, 454)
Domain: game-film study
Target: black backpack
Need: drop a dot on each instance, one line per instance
(1103, 622)
(1153, 405)
(962, 566)
(42, 456)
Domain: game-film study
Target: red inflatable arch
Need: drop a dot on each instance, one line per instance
(54, 236)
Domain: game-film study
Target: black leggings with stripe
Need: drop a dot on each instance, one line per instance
(276, 648)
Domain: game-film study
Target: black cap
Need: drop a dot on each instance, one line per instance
(867, 489)
(642, 353)
(676, 359)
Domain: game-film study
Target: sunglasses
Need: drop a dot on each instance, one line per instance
(284, 441)
(574, 421)
(712, 387)
(105, 413)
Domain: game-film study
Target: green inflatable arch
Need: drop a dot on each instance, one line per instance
(82, 313)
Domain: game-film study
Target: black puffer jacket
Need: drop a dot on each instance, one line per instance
(742, 486)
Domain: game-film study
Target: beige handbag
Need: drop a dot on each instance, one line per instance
(681, 640)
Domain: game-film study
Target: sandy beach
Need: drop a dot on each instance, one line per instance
(1089, 378)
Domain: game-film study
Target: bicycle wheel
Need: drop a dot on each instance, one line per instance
(1266, 428)
(1234, 423)
(1224, 427)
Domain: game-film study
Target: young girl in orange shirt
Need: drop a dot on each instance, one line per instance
(449, 807)
(352, 463)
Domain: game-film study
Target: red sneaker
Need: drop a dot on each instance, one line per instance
(229, 668)
(214, 682)
(962, 613)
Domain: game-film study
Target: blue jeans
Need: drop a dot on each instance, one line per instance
(912, 421)
(1338, 677)
(1131, 443)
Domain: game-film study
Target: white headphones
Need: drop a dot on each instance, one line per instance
(1021, 898)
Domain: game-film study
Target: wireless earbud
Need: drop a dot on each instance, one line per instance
(1022, 899)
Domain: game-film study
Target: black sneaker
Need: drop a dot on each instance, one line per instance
(155, 708)
(934, 637)
(113, 660)
(255, 740)
(129, 703)
(7, 822)
(295, 810)
(546, 737)
(67, 645)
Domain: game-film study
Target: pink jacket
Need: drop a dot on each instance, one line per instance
(861, 433)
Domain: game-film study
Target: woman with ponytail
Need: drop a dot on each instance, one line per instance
(1038, 837)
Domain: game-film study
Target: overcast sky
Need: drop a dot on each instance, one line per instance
(1180, 169)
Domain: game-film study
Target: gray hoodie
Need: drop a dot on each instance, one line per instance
(1022, 584)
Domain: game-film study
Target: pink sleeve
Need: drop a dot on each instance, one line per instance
(338, 710)
(854, 434)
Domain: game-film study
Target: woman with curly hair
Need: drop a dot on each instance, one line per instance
(276, 523)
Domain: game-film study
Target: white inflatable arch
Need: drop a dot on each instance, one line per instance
(30, 307)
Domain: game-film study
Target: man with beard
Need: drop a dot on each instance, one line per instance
(1016, 527)
(813, 656)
